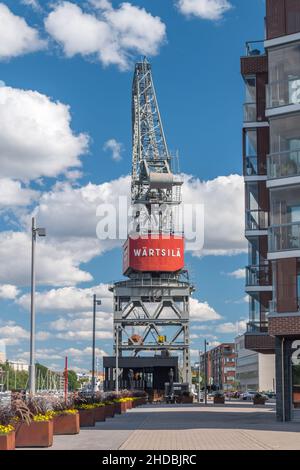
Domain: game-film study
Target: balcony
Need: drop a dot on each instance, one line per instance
(258, 276)
(252, 167)
(255, 48)
(284, 164)
(257, 327)
(283, 93)
(284, 237)
(250, 112)
(257, 337)
(257, 220)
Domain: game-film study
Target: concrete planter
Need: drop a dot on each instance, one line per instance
(187, 400)
(109, 411)
(120, 407)
(87, 418)
(66, 424)
(259, 401)
(8, 441)
(35, 434)
(99, 413)
(219, 400)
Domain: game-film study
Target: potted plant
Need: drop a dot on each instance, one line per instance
(7, 430)
(98, 401)
(259, 399)
(219, 398)
(34, 423)
(86, 411)
(187, 397)
(109, 409)
(120, 405)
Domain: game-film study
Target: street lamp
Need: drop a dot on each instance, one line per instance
(41, 232)
(95, 303)
(199, 377)
(117, 358)
(206, 343)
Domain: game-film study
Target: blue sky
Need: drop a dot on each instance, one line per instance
(195, 64)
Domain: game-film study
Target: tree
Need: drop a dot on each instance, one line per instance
(73, 383)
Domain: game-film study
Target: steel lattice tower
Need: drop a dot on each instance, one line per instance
(151, 307)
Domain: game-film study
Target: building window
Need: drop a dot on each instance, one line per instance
(296, 386)
(250, 100)
(285, 219)
(250, 85)
(284, 159)
(284, 76)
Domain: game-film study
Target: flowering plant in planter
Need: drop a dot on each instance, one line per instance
(6, 429)
(259, 399)
(7, 437)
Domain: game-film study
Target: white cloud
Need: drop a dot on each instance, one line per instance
(12, 193)
(111, 35)
(70, 299)
(71, 212)
(84, 335)
(229, 327)
(238, 273)
(222, 197)
(201, 311)
(223, 200)
(8, 291)
(57, 263)
(12, 334)
(74, 352)
(43, 335)
(16, 37)
(32, 3)
(35, 136)
(115, 148)
(204, 9)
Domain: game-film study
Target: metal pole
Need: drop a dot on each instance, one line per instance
(205, 373)
(66, 379)
(199, 381)
(32, 312)
(94, 344)
(117, 360)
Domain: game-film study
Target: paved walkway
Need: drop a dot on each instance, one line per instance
(235, 426)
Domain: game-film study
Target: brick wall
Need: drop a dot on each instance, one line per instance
(260, 343)
(284, 326)
(254, 64)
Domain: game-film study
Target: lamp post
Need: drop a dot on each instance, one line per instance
(205, 372)
(199, 378)
(95, 303)
(117, 359)
(41, 232)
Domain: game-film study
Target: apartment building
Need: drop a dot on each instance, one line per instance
(254, 371)
(271, 157)
(220, 366)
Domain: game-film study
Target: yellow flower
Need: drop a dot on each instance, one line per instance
(40, 418)
(6, 429)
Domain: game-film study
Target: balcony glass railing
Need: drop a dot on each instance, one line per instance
(255, 48)
(273, 306)
(284, 164)
(252, 167)
(250, 112)
(284, 237)
(257, 327)
(258, 276)
(257, 220)
(283, 92)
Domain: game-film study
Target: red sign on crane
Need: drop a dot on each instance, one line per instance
(153, 254)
